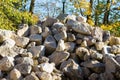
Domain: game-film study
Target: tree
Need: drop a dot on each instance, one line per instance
(11, 15)
(32, 6)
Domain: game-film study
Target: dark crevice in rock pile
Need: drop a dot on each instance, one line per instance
(56, 51)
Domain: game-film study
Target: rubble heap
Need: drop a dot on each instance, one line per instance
(52, 50)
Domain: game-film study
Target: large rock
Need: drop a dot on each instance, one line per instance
(35, 29)
(36, 38)
(9, 43)
(111, 67)
(5, 34)
(62, 17)
(58, 57)
(50, 44)
(49, 22)
(37, 51)
(21, 41)
(23, 30)
(6, 63)
(94, 65)
(47, 67)
(61, 35)
(25, 69)
(83, 53)
(118, 58)
(81, 19)
(72, 70)
(15, 74)
(82, 28)
(57, 27)
(44, 76)
(7, 51)
(97, 33)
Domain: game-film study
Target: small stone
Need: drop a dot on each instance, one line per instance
(93, 76)
(23, 30)
(115, 49)
(31, 44)
(25, 60)
(106, 49)
(71, 70)
(99, 45)
(32, 76)
(6, 63)
(43, 59)
(84, 44)
(44, 76)
(70, 46)
(79, 41)
(35, 29)
(27, 54)
(50, 44)
(60, 46)
(114, 40)
(83, 53)
(97, 56)
(15, 74)
(47, 67)
(36, 38)
(37, 51)
(58, 57)
(21, 41)
(35, 62)
(25, 69)
(71, 37)
(86, 72)
(90, 41)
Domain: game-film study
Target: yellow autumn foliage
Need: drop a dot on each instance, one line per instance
(114, 28)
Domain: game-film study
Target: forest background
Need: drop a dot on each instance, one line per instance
(102, 13)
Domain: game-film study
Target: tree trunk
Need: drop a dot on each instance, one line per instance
(32, 6)
(91, 4)
(106, 14)
(96, 15)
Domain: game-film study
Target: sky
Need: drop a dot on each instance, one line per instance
(42, 11)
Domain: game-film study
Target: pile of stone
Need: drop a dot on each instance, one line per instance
(52, 50)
